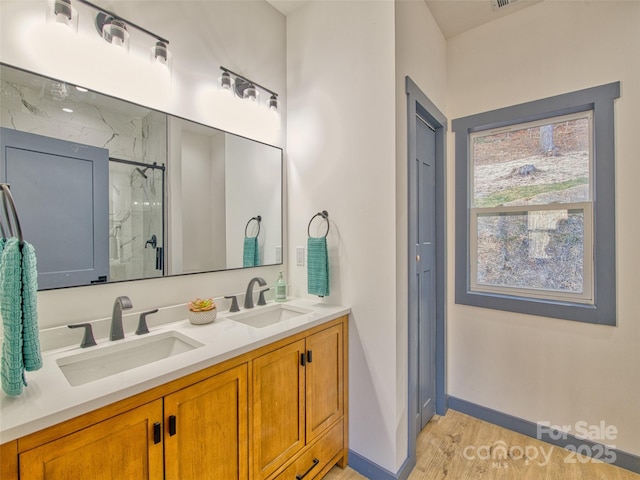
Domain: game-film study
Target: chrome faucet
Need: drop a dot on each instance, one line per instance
(248, 296)
(121, 303)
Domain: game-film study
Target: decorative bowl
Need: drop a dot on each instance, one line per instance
(202, 318)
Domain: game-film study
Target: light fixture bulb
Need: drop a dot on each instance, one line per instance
(160, 54)
(273, 103)
(251, 93)
(115, 32)
(61, 12)
(225, 81)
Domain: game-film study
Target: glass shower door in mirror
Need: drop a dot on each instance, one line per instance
(136, 220)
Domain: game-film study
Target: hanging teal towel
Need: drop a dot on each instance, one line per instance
(18, 305)
(317, 266)
(250, 256)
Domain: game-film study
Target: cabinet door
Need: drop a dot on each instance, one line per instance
(206, 434)
(9, 461)
(324, 378)
(118, 448)
(278, 408)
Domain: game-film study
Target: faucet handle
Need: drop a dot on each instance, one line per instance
(142, 323)
(87, 339)
(261, 300)
(234, 303)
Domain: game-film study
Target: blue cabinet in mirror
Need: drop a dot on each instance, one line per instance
(161, 195)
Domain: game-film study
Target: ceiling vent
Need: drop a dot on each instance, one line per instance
(500, 4)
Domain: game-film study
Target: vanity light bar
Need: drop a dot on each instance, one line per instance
(110, 26)
(245, 88)
(115, 16)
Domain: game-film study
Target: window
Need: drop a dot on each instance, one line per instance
(531, 237)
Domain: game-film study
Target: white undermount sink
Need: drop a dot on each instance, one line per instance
(262, 317)
(91, 365)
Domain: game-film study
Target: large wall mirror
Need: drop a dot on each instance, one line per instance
(111, 191)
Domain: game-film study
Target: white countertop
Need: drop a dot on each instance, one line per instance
(49, 399)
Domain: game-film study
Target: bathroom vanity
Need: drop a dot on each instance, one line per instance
(252, 402)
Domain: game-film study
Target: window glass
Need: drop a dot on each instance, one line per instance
(530, 236)
(533, 164)
(541, 249)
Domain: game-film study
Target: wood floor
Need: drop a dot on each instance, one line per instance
(459, 447)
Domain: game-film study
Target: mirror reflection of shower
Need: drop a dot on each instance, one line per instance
(136, 220)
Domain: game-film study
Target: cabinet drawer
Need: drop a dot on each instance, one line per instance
(316, 457)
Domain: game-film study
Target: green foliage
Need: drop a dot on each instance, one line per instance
(199, 305)
(527, 191)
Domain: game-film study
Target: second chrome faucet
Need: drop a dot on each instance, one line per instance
(121, 303)
(248, 296)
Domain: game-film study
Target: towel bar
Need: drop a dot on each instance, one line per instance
(322, 214)
(11, 207)
(257, 219)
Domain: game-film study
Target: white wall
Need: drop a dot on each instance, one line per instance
(420, 54)
(248, 37)
(543, 369)
(341, 151)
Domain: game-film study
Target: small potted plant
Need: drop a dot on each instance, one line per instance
(202, 311)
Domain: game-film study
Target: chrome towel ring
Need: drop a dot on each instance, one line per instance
(10, 211)
(322, 214)
(257, 219)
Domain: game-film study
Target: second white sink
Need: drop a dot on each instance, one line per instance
(261, 317)
(91, 365)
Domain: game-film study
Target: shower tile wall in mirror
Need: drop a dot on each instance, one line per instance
(181, 195)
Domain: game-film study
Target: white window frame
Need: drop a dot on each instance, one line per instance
(586, 296)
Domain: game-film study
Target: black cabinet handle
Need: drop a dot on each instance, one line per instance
(157, 432)
(172, 425)
(309, 356)
(303, 359)
(315, 462)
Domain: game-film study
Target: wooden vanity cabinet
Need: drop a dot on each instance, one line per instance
(206, 429)
(298, 393)
(9, 460)
(201, 434)
(278, 408)
(121, 447)
(276, 412)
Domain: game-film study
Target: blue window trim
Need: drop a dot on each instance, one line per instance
(601, 101)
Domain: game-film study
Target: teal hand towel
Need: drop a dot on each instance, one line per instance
(250, 252)
(317, 266)
(18, 306)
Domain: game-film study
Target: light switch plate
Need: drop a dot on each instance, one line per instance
(300, 256)
(278, 254)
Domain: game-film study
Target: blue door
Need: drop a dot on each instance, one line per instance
(61, 194)
(425, 271)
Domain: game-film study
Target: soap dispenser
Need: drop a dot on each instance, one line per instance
(281, 289)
